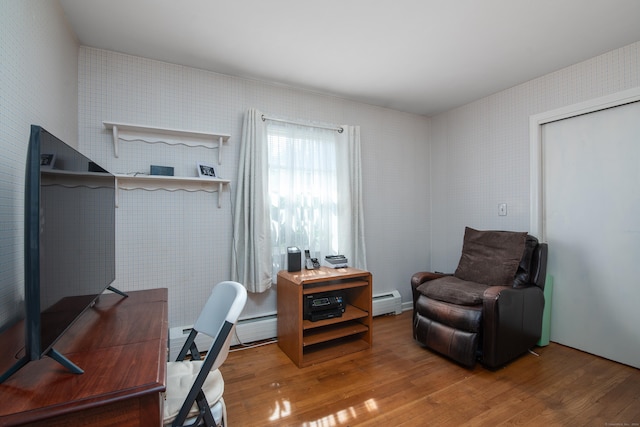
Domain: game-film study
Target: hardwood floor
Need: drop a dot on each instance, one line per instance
(399, 383)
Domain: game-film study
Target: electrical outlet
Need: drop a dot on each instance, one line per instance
(502, 209)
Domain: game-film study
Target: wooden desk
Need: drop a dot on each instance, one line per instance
(121, 344)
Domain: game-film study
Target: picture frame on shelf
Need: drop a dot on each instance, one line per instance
(206, 170)
(47, 160)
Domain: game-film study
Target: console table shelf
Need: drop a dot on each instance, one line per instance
(306, 342)
(312, 288)
(333, 332)
(350, 313)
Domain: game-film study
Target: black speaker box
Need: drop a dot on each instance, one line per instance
(294, 259)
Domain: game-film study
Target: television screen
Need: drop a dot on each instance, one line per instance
(77, 236)
(69, 242)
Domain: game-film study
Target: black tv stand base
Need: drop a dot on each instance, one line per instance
(16, 366)
(117, 291)
(52, 353)
(72, 367)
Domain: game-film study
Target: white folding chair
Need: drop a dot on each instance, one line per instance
(195, 387)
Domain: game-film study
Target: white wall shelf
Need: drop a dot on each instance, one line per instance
(170, 183)
(75, 178)
(153, 134)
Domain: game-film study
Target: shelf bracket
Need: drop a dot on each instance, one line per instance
(115, 140)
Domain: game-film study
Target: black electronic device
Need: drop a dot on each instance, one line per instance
(69, 244)
(325, 314)
(323, 305)
(94, 167)
(293, 259)
(161, 170)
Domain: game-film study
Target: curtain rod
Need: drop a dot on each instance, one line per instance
(273, 119)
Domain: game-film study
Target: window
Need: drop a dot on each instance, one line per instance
(303, 190)
(297, 186)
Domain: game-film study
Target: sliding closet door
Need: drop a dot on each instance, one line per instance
(591, 208)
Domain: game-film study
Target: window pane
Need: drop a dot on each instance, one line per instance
(303, 190)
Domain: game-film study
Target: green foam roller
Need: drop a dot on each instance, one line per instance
(546, 314)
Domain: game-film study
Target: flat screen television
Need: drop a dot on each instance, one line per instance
(69, 239)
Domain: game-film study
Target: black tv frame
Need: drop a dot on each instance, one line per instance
(32, 322)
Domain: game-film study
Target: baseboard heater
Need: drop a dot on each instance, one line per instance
(247, 330)
(266, 327)
(387, 303)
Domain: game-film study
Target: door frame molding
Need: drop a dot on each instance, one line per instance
(537, 219)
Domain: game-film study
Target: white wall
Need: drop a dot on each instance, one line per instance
(480, 151)
(182, 240)
(38, 85)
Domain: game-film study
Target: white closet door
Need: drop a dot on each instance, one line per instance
(591, 205)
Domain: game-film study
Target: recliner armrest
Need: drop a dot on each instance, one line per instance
(424, 276)
(493, 292)
(512, 322)
(419, 278)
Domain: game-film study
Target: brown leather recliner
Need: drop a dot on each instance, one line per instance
(490, 309)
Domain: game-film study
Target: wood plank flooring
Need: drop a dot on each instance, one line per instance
(399, 383)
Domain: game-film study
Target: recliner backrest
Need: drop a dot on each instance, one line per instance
(523, 275)
(539, 265)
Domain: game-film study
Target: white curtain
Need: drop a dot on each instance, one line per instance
(251, 257)
(297, 186)
(352, 210)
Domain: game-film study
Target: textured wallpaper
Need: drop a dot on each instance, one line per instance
(38, 85)
(182, 240)
(480, 151)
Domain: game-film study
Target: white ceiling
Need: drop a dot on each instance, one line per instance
(419, 56)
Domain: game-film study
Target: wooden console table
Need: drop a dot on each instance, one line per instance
(307, 342)
(121, 344)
